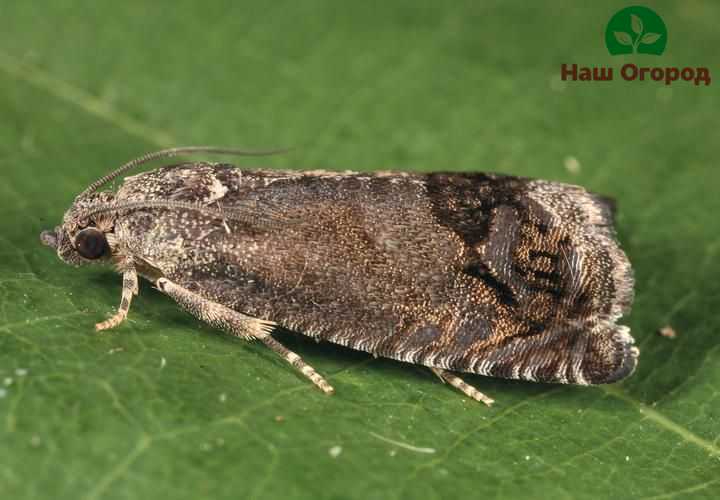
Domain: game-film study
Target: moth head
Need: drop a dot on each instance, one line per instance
(86, 234)
(83, 240)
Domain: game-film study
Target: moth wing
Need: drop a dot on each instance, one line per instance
(580, 354)
(485, 274)
(560, 282)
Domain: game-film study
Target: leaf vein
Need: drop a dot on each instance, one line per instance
(662, 421)
(81, 98)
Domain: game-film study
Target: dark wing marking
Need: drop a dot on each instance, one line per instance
(558, 278)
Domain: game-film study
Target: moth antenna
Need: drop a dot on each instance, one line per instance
(248, 215)
(167, 153)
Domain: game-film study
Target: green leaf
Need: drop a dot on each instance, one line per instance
(164, 406)
(623, 38)
(649, 38)
(637, 24)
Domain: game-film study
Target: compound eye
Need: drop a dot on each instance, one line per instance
(91, 243)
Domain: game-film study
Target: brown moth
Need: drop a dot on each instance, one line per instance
(477, 273)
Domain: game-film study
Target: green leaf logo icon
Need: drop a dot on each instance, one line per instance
(649, 38)
(623, 38)
(636, 30)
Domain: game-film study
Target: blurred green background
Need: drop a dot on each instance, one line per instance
(164, 404)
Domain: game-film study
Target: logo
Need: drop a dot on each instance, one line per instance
(632, 31)
(636, 30)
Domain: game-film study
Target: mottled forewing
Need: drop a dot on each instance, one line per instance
(479, 273)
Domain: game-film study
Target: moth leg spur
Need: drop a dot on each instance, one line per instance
(462, 386)
(239, 325)
(129, 289)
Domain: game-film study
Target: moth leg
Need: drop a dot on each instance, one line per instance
(298, 363)
(129, 289)
(461, 385)
(239, 325)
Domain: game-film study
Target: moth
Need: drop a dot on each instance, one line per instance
(459, 272)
